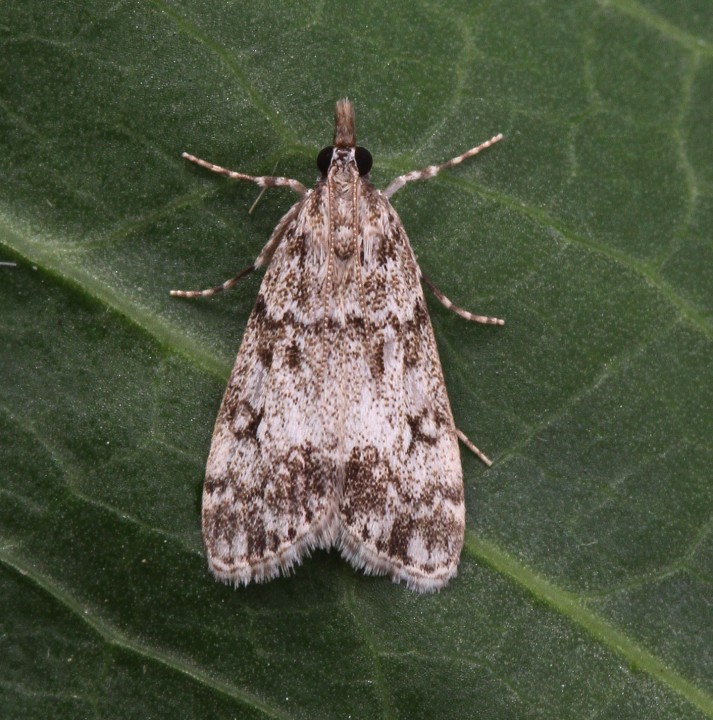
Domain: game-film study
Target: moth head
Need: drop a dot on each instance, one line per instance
(343, 156)
(344, 151)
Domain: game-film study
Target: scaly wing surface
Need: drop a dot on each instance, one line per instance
(270, 494)
(401, 507)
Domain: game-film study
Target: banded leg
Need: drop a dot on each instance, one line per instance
(209, 292)
(431, 170)
(264, 181)
(267, 252)
(484, 319)
(464, 439)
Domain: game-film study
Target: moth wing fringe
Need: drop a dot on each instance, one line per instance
(281, 563)
(369, 562)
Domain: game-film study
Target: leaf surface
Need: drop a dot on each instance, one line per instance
(585, 587)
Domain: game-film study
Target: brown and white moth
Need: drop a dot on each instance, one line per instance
(335, 428)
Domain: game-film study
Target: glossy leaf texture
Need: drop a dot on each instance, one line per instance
(585, 587)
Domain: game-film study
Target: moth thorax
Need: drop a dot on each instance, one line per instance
(344, 241)
(343, 213)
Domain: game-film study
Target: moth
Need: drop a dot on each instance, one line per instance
(335, 429)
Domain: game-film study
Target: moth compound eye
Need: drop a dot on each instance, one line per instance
(363, 159)
(324, 159)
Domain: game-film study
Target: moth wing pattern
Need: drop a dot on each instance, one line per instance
(402, 510)
(269, 497)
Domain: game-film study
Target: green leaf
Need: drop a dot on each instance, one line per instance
(585, 587)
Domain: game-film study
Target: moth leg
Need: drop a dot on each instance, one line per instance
(209, 292)
(481, 455)
(484, 319)
(431, 170)
(264, 181)
(262, 259)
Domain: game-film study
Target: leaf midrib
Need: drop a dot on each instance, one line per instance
(569, 605)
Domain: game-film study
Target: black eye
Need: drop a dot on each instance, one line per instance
(324, 159)
(363, 160)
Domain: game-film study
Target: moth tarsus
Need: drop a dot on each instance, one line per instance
(335, 429)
